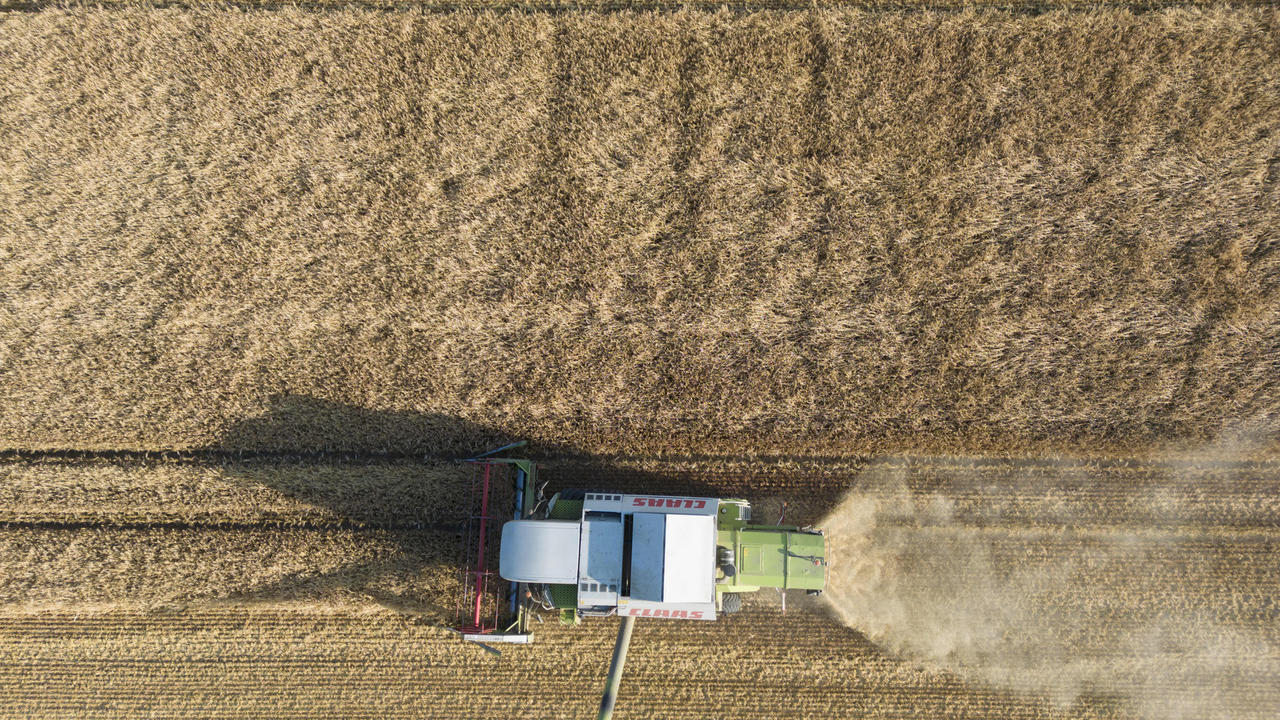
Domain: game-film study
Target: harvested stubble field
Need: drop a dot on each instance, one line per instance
(1147, 586)
(369, 240)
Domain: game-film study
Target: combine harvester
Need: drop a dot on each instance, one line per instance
(594, 554)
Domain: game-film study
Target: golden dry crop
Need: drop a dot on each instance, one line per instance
(400, 494)
(164, 534)
(526, 6)
(835, 232)
(734, 253)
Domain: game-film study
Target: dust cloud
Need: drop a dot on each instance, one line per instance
(1022, 585)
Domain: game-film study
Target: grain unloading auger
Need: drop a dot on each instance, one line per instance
(594, 554)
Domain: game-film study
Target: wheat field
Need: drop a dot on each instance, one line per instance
(831, 232)
(990, 294)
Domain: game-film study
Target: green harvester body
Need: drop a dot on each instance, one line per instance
(769, 556)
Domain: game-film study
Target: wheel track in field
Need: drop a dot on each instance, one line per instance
(543, 7)
(207, 455)
(396, 491)
(231, 526)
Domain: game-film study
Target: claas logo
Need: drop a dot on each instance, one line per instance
(686, 503)
(654, 612)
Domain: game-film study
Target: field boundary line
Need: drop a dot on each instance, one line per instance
(706, 6)
(974, 462)
(208, 455)
(337, 525)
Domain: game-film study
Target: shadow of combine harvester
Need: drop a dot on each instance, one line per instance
(402, 477)
(387, 477)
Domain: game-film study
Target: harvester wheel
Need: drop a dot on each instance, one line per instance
(724, 561)
(730, 603)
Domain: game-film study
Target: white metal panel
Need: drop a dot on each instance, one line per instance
(600, 561)
(539, 551)
(689, 559)
(648, 538)
(671, 611)
(482, 638)
(602, 502)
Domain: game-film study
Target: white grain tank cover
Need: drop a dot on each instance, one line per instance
(600, 564)
(539, 551)
(689, 559)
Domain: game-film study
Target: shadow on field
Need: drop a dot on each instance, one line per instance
(390, 523)
(386, 526)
